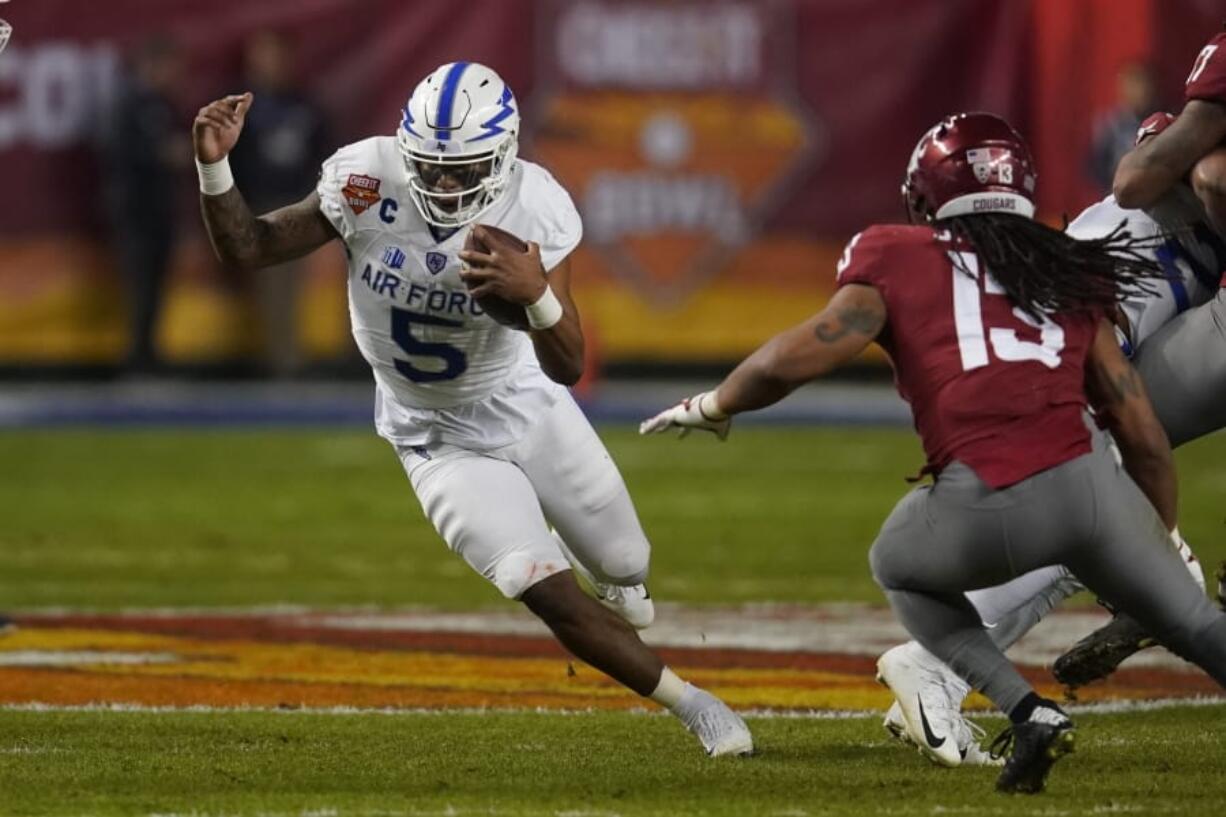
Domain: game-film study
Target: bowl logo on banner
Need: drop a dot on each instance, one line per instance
(676, 127)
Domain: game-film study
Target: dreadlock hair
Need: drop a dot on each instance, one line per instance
(1045, 271)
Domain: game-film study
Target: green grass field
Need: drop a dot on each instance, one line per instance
(588, 765)
(325, 518)
(213, 518)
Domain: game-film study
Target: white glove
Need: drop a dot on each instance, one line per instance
(699, 411)
(1189, 558)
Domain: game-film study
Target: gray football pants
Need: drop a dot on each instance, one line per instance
(1183, 366)
(959, 535)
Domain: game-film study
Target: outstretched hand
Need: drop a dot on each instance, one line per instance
(699, 411)
(217, 126)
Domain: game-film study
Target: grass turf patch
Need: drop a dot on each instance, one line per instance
(326, 517)
(588, 764)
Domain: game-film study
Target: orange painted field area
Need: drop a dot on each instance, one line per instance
(315, 660)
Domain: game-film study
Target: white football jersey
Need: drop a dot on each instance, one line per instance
(444, 371)
(1192, 254)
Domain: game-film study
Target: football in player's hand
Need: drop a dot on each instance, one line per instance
(496, 239)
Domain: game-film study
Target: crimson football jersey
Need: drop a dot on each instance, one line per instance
(1208, 77)
(988, 385)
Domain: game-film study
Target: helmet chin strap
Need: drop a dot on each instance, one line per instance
(459, 217)
(453, 218)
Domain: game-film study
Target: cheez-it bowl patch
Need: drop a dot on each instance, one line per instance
(360, 192)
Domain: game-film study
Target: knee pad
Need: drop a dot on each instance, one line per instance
(518, 570)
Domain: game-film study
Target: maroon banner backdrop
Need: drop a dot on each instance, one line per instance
(871, 75)
(721, 151)
(359, 60)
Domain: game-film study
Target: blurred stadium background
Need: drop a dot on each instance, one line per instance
(721, 153)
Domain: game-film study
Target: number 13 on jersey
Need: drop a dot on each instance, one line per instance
(974, 336)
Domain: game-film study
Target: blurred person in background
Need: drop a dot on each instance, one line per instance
(143, 151)
(1116, 130)
(284, 142)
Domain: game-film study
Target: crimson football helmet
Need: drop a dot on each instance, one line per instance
(969, 163)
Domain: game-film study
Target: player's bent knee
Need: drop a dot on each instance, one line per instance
(517, 571)
(879, 564)
(626, 565)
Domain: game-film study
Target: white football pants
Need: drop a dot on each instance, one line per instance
(494, 508)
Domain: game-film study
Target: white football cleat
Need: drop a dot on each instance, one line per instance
(969, 735)
(632, 603)
(929, 703)
(896, 726)
(720, 730)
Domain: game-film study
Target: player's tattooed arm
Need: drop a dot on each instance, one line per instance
(244, 241)
(239, 238)
(1147, 172)
(851, 321)
(1120, 400)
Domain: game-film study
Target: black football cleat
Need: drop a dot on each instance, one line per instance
(1035, 749)
(6, 625)
(1099, 654)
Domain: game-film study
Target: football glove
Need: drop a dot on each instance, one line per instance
(699, 411)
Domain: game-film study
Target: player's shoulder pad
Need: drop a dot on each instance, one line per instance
(540, 192)
(1207, 79)
(354, 178)
(550, 207)
(863, 256)
(372, 155)
(1099, 220)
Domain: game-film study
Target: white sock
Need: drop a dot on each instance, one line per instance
(669, 691)
(1048, 715)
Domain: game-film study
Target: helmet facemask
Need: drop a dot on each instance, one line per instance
(451, 191)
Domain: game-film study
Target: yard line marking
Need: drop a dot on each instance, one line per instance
(1098, 708)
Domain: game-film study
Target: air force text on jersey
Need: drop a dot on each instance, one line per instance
(419, 297)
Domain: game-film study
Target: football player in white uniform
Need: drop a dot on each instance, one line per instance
(494, 446)
(1173, 335)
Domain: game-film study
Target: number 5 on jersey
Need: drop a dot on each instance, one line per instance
(1006, 345)
(455, 362)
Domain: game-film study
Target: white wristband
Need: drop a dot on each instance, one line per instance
(215, 178)
(546, 311)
